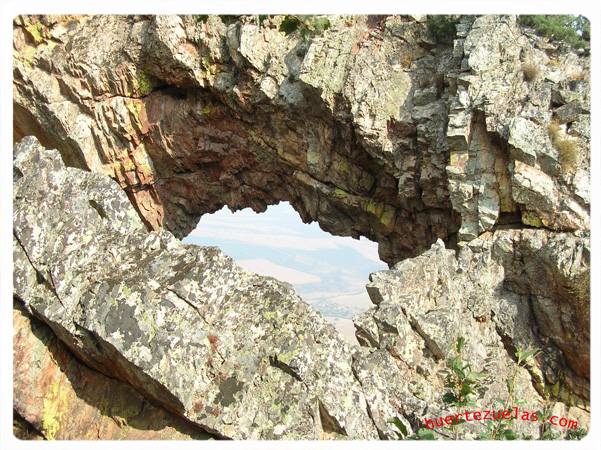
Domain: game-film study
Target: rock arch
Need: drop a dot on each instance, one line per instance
(372, 128)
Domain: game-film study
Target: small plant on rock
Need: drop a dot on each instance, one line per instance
(576, 435)
(567, 148)
(423, 434)
(442, 28)
(502, 428)
(306, 26)
(573, 30)
(463, 384)
(530, 71)
(461, 381)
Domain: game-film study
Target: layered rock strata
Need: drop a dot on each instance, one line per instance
(370, 128)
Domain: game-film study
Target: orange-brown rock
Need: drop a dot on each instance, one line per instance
(58, 397)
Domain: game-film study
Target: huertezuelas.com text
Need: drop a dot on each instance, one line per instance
(484, 415)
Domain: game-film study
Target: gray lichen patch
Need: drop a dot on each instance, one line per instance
(182, 324)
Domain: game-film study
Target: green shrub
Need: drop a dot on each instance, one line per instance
(290, 24)
(503, 428)
(576, 435)
(442, 28)
(423, 434)
(461, 381)
(144, 83)
(463, 386)
(306, 25)
(573, 30)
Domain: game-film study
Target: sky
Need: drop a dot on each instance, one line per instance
(329, 272)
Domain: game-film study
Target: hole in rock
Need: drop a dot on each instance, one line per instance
(328, 272)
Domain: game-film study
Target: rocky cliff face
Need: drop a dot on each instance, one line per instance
(370, 129)
(238, 354)
(472, 154)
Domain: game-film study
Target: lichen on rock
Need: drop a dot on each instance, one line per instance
(164, 316)
(472, 176)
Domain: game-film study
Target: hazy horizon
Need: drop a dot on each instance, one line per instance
(329, 272)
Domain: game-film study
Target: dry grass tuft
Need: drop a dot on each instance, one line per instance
(567, 148)
(568, 155)
(578, 75)
(553, 128)
(530, 71)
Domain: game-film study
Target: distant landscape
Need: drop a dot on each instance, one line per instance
(329, 272)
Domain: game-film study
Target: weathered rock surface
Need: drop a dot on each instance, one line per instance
(503, 167)
(371, 128)
(60, 398)
(238, 354)
(368, 128)
(424, 304)
(164, 318)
